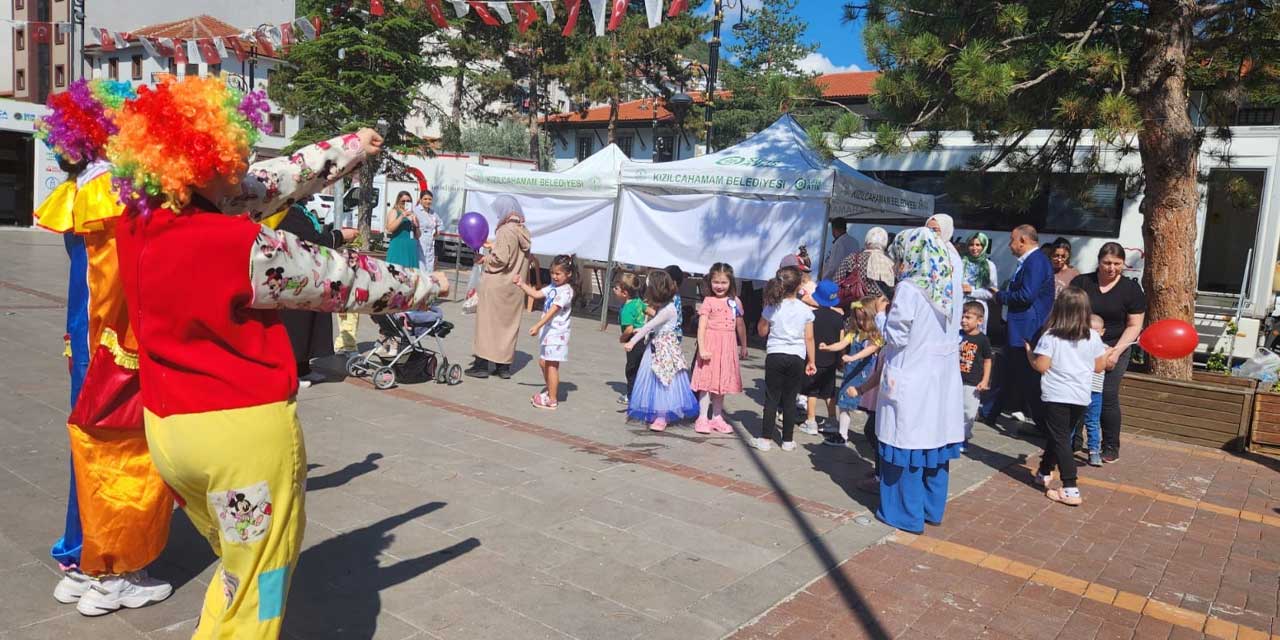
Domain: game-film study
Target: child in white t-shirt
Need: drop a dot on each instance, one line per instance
(790, 355)
(1068, 354)
(553, 329)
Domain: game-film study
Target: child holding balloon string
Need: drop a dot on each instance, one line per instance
(1067, 355)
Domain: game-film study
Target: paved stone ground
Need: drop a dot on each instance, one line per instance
(461, 512)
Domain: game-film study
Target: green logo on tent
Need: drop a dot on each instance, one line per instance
(742, 161)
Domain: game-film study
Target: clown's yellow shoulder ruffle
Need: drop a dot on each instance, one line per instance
(56, 212)
(96, 204)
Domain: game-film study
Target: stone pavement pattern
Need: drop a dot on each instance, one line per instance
(461, 512)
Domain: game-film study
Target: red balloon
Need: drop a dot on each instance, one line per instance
(1169, 339)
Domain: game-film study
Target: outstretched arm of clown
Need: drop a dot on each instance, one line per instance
(288, 273)
(272, 185)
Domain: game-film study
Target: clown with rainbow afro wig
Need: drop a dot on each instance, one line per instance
(218, 378)
(118, 508)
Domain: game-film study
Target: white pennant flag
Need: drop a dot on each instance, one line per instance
(597, 13)
(167, 45)
(121, 41)
(149, 46)
(306, 30)
(220, 45)
(654, 10)
(460, 7)
(500, 8)
(193, 52)
(274, 33)
(549, 8)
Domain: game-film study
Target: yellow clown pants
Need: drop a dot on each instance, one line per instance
(241, 475)
(348, 324)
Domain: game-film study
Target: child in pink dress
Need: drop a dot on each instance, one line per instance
(722, 342)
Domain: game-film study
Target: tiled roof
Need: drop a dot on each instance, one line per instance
(631, 111)
(198, 27)
(849, 84)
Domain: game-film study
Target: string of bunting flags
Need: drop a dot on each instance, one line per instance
(273, 40)
(265, 40)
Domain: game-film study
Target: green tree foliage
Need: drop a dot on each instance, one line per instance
(764, 79)
(471, 54)
(360, 70)
(632, 62)
(1121, 69)
(507, 138)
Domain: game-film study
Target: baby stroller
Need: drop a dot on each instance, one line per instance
(400, 354)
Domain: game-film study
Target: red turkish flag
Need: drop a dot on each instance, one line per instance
(315, 22)
(483, 12)
(572, 20)
(179, 51)
(41, 32)
(676, 7)
(237, 45)
(527, 15)
(265, 46)
(107, 40)
(286, 35)
(375, 8)
(208, 51)
(437, 14)
(619, 12)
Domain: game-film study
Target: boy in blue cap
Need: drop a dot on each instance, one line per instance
(828, 322)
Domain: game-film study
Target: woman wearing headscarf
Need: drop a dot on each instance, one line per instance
(500, 304)
(872, 263)
(981, 280)
(945, 227)
(919, 411)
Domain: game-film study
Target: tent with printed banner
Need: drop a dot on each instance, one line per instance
(570, 211)
(748, 205)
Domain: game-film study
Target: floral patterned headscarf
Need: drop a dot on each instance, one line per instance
(977, 269)
(926, 264)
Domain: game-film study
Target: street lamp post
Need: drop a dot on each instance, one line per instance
(77, 18)
(679, 105)
(713, 63)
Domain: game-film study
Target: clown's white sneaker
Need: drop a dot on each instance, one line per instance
(72, 585)
(130, 590)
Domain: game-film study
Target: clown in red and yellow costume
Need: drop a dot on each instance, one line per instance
(217, 370)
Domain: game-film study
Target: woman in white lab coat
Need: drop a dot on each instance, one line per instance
(920, 409)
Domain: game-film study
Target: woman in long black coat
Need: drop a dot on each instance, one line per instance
(311, 333)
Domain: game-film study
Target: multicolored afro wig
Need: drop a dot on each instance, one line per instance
(81, 119)
(181, 136)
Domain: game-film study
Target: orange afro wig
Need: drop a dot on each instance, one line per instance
(181, 136)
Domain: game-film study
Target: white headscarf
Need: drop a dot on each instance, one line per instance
(876, 238)
(947, 226)
(507, 208)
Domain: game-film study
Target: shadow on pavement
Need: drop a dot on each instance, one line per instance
(343, 475)
(336, 591)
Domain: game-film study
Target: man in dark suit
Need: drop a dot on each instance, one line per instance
(1028, 298)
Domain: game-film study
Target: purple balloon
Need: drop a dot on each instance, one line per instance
(473, 229)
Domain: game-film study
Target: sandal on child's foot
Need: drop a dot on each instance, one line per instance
(702, 425)
(1059, 495)
(719, 425)
(658, 425)
(543, 401)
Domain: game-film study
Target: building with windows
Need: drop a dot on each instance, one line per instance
(41, 49)
(132, 63)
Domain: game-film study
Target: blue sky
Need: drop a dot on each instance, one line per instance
(839, 44)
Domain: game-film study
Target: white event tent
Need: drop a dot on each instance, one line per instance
(571, 211)
(748, 205)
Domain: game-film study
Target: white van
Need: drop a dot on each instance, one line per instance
(1229, 227)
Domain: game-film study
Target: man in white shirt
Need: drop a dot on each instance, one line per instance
(843, 245)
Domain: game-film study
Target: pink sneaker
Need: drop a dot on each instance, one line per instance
(702, 425)
(719, 425)
(658, 425)
(543, 401)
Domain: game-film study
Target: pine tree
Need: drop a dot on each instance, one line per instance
(632, 62)
(1121, 68)
(360, 70)
(473, 56)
